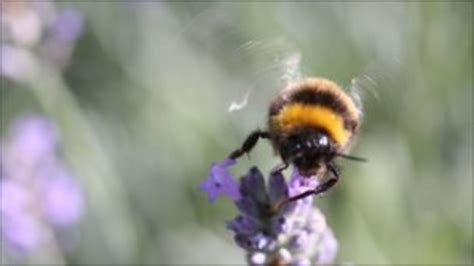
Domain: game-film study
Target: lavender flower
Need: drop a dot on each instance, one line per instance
(62, 34)
(294, 233)
(221, 182)
(35, 31)
(67, 26)
(38, 194)
(62, 199)
(19, 229)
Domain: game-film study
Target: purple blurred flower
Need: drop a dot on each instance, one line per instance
(220, 182)
(17, 196)
(22, 232)
(67, 26)
(61, 36)
(33, 138)
(35, 32)
(294, 233)
(62, 201)
(36, 189)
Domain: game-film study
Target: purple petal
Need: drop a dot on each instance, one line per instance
(34, 138)
(279, 224)
(243, 225)
(257, 241)
(328, 247)
(63, 201)
(249, 207)
(299, 184)
(253, 185)
(14, 198)
(262, 242)
(67, 26)
(23, 232)
(243, 241)
(278, 189)
(208, 186)
(221, 182)
(226, 163)
(301, 262)
(316, 222)
(299, 240)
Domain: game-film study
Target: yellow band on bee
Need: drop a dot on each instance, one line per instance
(298, 115)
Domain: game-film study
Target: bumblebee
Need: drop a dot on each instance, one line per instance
(310, 123)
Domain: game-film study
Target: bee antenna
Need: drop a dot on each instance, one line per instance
(350, 157)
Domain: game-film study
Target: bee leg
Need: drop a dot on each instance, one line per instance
(249, 143)
(321, 187)
(330, 182)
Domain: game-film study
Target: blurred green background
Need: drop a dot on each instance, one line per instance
(143, 111)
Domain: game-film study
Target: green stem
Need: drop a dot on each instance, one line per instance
(105, 193)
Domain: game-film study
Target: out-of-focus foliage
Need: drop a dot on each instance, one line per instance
(142, 102)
